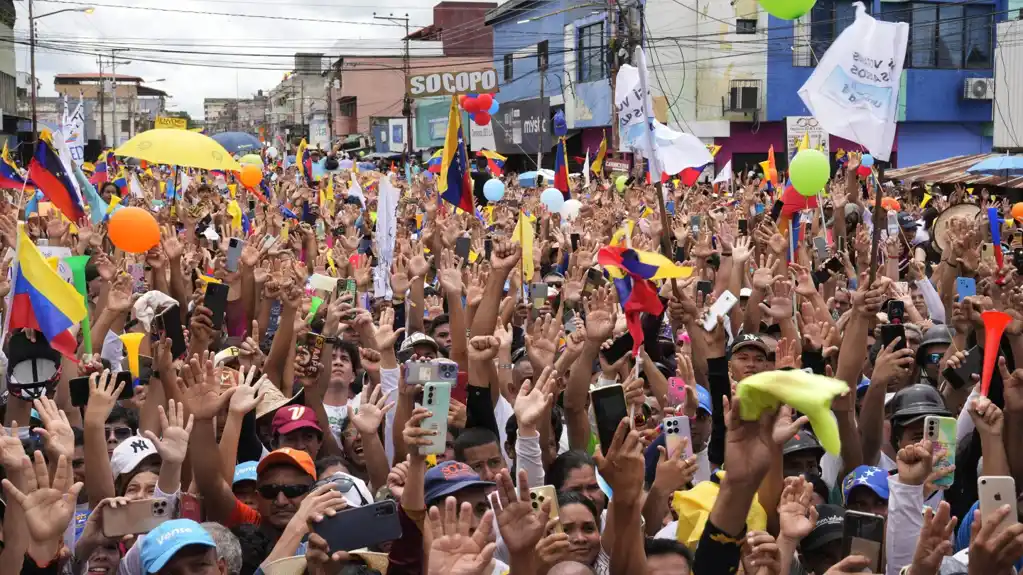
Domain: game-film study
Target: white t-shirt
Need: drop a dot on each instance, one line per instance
(337, 414)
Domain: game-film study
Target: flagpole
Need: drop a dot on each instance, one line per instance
(875, 241)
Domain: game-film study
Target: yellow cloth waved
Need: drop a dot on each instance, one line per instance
(693, 509)
(807, 393)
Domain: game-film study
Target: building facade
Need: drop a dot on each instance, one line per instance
(249, 115)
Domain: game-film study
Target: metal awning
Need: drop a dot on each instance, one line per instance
(953, 171)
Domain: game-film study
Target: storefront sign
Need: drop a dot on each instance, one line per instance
(798, 126)
(448, 83)
(523, 126)
(616, 166)
(168, 123)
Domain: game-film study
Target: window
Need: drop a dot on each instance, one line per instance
(346, 107)
(827, 20)
(590, 53)
(950, 36)
(125, 125)
(745, 26)
(509, 64)
(542, 50)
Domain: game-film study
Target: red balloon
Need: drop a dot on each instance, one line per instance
(472, 105)
(482, 118)
(863, 171)
(485, 100)
(461, 101)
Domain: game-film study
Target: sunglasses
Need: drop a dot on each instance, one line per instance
(120, 432)
(270, 491)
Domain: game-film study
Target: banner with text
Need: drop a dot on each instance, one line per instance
(168, 123)
(523, 126)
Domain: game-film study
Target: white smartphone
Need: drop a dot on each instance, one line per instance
(675, 428)
(994, 491)
(436, 398)
(322, 282)
(720, 309)
(893, 224)
(268, 242)
(234, 253)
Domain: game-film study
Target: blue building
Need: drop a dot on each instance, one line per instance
(945, 102)
(568, 39)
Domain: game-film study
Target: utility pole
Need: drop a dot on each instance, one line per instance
(32, 58)
(406, 105)
(102, 106)
(115, 139)
(545, 110)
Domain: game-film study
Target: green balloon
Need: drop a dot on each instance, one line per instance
(809, 172)
(620, 183)
(787, 9)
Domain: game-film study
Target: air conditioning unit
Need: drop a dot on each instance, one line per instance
(979, 89)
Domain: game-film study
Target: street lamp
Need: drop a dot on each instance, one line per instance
(32, 48)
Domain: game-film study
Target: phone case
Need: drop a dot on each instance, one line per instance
(539, 495)
(609, 409)
(538, 295)
(675, 428)
(942, 432)
(994, 491)
(436, 398)
(360, 527)
(79, 388)
(140, 516)
(234, 253)
(966, 287)
(863, 534)
(720, 309)
(215, 300)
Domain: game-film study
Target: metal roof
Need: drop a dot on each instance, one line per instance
(953, 171)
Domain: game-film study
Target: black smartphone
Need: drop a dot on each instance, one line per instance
(888, 334)
(462, 249)
(863, 534)
(252, 204)
(488, 247)
(705, 287)
(680, 253)
(619, 348)
(79, 388)
(744, 227)
(593, 280)
(215, 300)
(358, 527)
(973, 363)
(609, 409)
(365, 246)
(1017, 259)
(575, 241)
(168, 324)
(776, 210)
(834, 265)
(896, 311)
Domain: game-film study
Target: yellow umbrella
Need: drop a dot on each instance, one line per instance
(178, 148)
(251, 159)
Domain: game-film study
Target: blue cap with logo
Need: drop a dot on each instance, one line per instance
(245, 472)
(703, 399)
(448, 477)
(161, 544)
(874, 478)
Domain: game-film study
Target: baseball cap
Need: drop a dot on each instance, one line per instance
(294, 417)
(830, 521)
(745, 292)
(703, 399)
(244, 472)
(161, 544)
(288, 456)
(449, 477)
(750, 340)
(907, 221)
(355, 490)
(418, 338)
(874, 478)
(130, 453)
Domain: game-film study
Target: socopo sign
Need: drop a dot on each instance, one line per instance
(447, 83)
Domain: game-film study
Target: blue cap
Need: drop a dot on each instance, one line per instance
(703, 399)
(448, 477)
(161, 544)
(245, 472)
(866, 476)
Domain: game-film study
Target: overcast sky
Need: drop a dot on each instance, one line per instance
(156, 40)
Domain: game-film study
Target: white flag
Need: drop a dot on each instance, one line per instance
(586, 168)
(74, 132)
(386, 230)
(135, 187)
(725, 175)
(356, 190)
(854, 91)
(185, 182)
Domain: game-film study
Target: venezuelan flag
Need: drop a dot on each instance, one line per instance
(121, 181)
(561, 168)
(99, 177)
(495, 161)
(690, 175)
(43, 300)
(49, 174)
(639, 263)
(10, 177)
(305, 162)
(435, 162)
(454, 183)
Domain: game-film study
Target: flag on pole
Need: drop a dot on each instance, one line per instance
(725, 175)
(523, 235)
(55, 179)
(598, 162)
(10, 177)
(770, 170)
(586, 169)
(454, 184)
(561, 168)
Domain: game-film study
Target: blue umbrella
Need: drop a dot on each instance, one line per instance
(367, 166)
(1004, 166)
(238, 142)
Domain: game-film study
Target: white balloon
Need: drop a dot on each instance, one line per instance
(570, 210)
(271, 152)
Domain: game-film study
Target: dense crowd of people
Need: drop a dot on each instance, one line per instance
(451, 415)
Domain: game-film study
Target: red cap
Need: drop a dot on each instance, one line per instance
(292, 417)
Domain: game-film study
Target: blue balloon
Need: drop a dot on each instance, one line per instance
(867, 160)
(553, 199)
(560, 125)
(493, 107)
(493, 190)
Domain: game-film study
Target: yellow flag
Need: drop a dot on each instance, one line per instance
(927, 198)
(523, 235)
(114, 200)
(233, 188)
(805, 143)
(236, 215)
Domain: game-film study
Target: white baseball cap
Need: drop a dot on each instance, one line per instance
(130, 453)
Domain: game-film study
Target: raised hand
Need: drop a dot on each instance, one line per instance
(454, 551)
(505, 255)
(986, 416)
(521, 525)
(414, 434)
(893, 366)
(103, 393)
(914, 462)
(674, 470)
(534, 401)
(56, 430)
(249, 393)
(935, 540)
(797, 515)
(993, 549)
(48, 507)
(12, 451)
(781, 302)
(600, 315)
(542, 341)
(173, 446)
(483, 348)
(370, 413)
(385, 335)
(200, 389)
(623, 465)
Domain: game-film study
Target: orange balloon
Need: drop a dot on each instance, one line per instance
(133, 230)
(890, 204)
(1017, 210)
(251, 175)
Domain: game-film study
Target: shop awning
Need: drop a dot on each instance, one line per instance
(953, 171)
